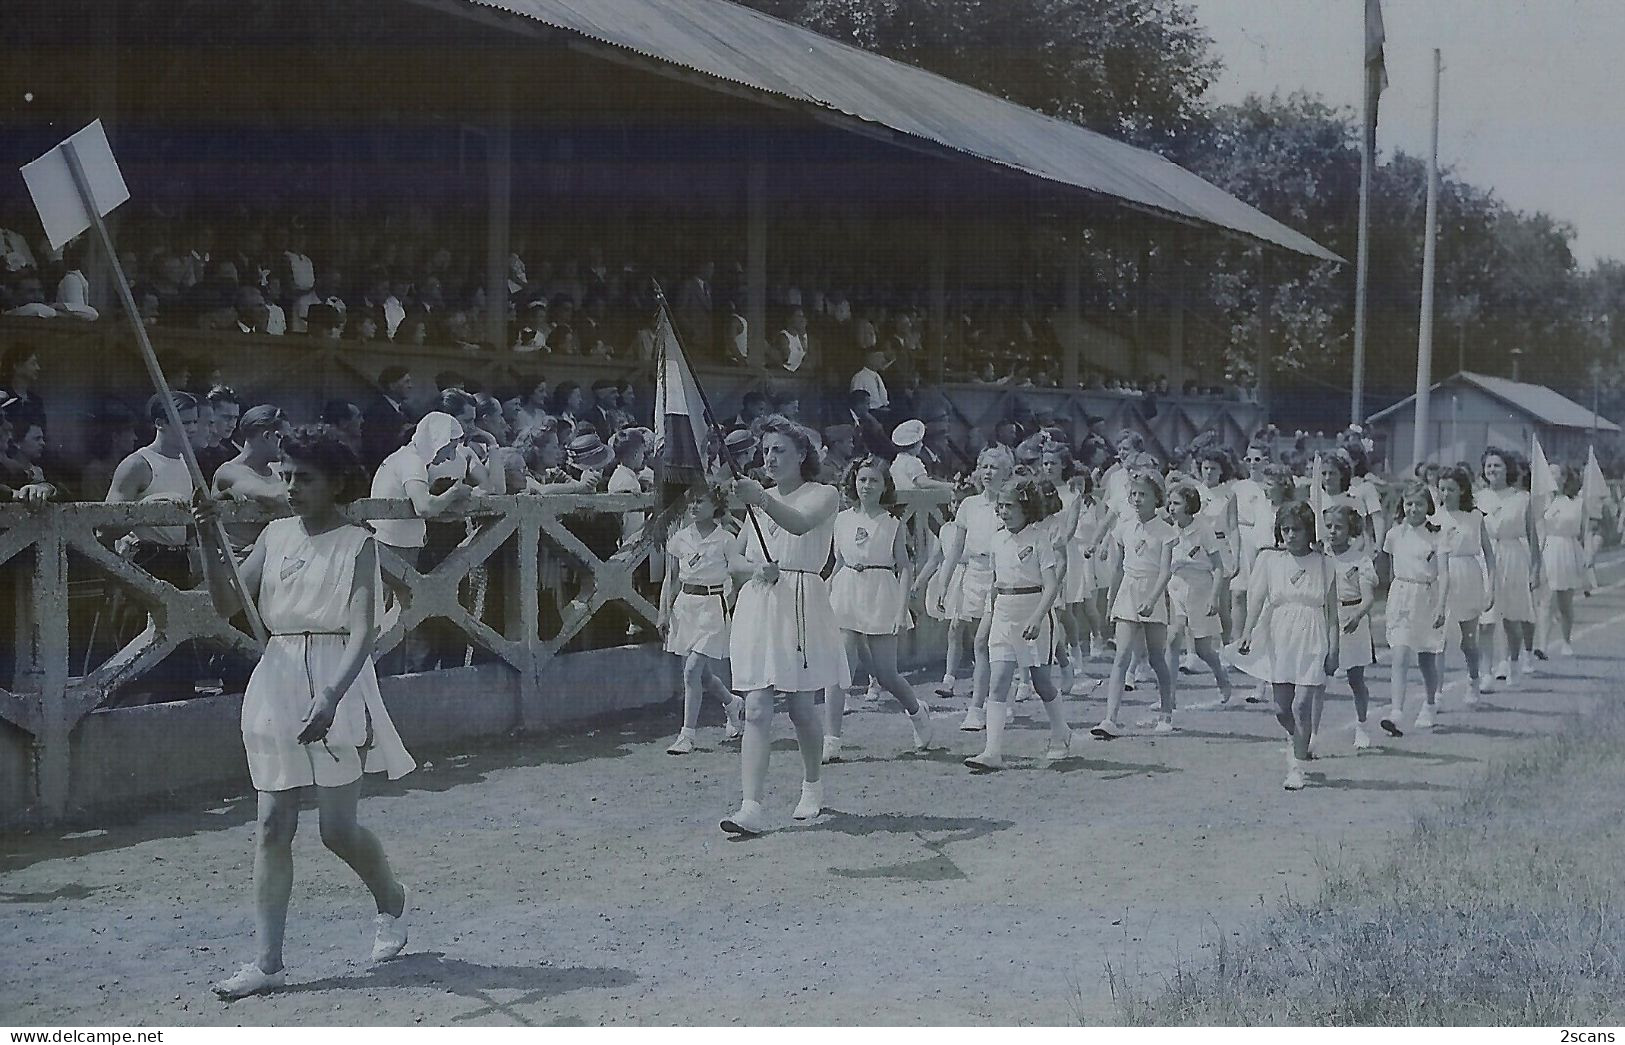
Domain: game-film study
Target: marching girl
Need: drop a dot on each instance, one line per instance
(1357, 447)
(1217, 473)
(1082, 581)
(1356, 571)
(1416, 604)
(694, 612)
(1194, 585)
(869, 594)
(1257, 523)
(1019, 627)
(1471, 562)
(970, 568)
(312, 716)
(1139, 602)
(1564, 537)
(1334, 477)
(1056, 467)
(1248, 494)
(785, 641)
(1294, 599)
(939, 595)
(1509, 522)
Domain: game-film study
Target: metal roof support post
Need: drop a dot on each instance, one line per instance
(1175, 271)
(1261, 372)
(1071, 305)
(499, 215)
(756, 260)
(938, 244)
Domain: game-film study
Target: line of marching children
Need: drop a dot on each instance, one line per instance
(1039, 568)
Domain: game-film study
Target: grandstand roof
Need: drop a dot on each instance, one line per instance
(745, 47)
(1537, 401)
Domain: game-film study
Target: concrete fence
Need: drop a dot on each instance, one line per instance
(519, 590)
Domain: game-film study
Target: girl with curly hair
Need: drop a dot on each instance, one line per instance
(1139, 600)
(1470, 558)
(1417, 598)
(1509, 522)
(1018, 627)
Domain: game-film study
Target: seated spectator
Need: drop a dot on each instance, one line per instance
(23, 472)
(569, 402)
(490, 419)
(533, 407)
(533, 335)
(276, 320)
(249, 310)
(752, 408)
(868, 379)
(347, 421)
(327, 291)
(28, 298)
(324, 322)
(212, 303)
(602, 415)
(73, 293)
(364, 325)
(562, 341)
(414, 329)
(542, 450)
(791, 348)
(112, 438)
(19, 374)
(224, 411)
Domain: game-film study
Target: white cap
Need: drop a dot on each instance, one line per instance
(909, 432)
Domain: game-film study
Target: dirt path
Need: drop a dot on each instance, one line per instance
(582, 880)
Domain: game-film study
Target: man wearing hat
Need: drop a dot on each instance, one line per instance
(606, 407)
(534, 332)
(908, 471)
(589, 455)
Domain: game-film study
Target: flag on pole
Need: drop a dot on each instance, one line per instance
(1376, 67)
(1542, 482)
(683, 427)
(1593, 487)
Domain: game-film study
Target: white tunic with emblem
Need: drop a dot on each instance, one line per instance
(304, 600)
(1355, 569)
(974, 577)
(1019, 563)
(1506, 520)
(1142, 544)
(867, 590)
(1190, 588)
(1290, 643)
(1414, 592)
(699, 621)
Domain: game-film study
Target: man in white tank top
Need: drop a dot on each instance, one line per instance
(157, 471)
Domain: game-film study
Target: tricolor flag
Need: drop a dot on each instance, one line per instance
(1376, 69)
(682, 418)
(1594, 495)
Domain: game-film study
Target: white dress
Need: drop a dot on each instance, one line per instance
(1019, 562)
(785, 636)
(1461, 538)
(1083, 572)
(304, 600)
(1354, 568)
(1190, 588)
(1562, 560)
(699, 619)
(867, 591)
(974, 578)
(1414, 592)
(1290, 642)
(1506, 519)
(1216, 502)
(1141, 545)
(1255, 518)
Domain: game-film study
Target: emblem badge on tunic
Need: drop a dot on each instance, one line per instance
(694, 560)
(1139, 546)
(1025, 553)
(1299, 576)
(862, 535)
(291, 567)
(1354, 571)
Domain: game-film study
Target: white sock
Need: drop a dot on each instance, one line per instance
(685, 733)
(995, 729)
(1058, 728)
(813, 790)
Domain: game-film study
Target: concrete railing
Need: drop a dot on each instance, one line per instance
(59, 680)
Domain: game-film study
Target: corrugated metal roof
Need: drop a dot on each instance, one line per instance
(743, 46)
(1538, 401)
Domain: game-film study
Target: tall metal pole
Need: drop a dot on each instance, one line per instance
(1362, 262)
(1430, 242)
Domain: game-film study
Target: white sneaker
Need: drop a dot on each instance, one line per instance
(749, 820)
(946, 687)
(1424, 718)
(1564, 649)
(1295, 779)
(683, 745)
(1524, 667)
(1474, 688)
(924, 729)
(812, 801)
(1107, 730)
(1189, 665)
(832, 749)
(974, 721)
(1362, 739)
(250, 979)
(875, 693)
(1164, 726)
(985, 762)
(1025, 690)
(388, 932)
(1260, 695)
(1064, 751)
(1081, 685)
(735, 710)
(1502, 672)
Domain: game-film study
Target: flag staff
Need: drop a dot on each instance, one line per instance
(1374, 77)
(1430, 249)
(213, 535)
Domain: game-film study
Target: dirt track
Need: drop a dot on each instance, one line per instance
(582, 880)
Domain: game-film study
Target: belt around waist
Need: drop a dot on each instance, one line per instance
(1411, 580)
(862, 569)
(1350, 602)
(306, 634)
(703, 589)
(1018, 589)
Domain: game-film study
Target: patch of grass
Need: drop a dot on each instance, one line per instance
(1507, 909)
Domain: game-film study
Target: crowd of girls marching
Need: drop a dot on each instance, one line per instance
(1045, 564)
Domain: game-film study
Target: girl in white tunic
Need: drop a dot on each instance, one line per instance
(1289, 638)
(1019, 626)
(694, 612)
(1564, 537)
(1416, 604)
(1470, 560)
(1217, 472)
(1193, 588)
(1248, 493)
(1333, 474)
(939, 595)
(869, 594)
(1256, 515)
(785, 640)
(1509, 522)
(311, 714)
(971, 569)
(1059, 471)
(1356, 596)
(1139, 602)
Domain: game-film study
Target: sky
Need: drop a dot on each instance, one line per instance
(1533, 98)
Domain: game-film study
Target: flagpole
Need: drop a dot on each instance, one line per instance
(1430, 245)
(214, 534)
(705, 407)
(1362, 262)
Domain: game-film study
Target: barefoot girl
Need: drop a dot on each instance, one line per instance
(1471, 561)
(785, 641)
(1020, 629)
(1139, 603)
(312, 716)
(869, 594)
(971, 568)
(694, 612)
(1509, 522)
(1193, 588)
(1289, 638)
(1356, 597)
(1564, 537)
(1416, 604)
